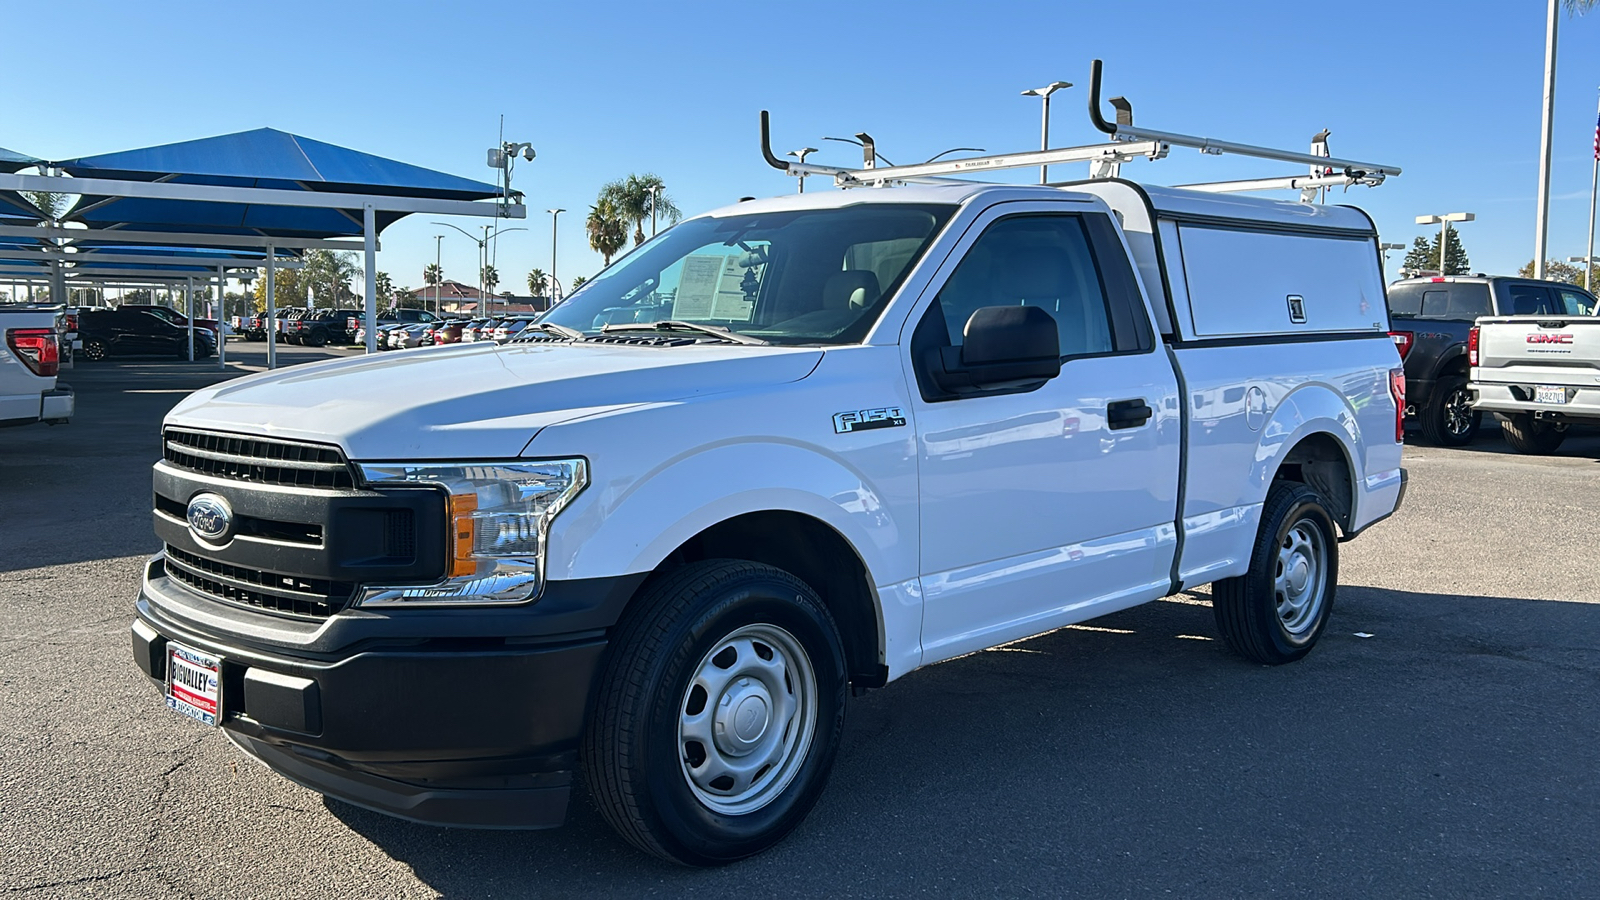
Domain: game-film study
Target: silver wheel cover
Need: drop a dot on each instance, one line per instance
(747, 719)
(1300, 582)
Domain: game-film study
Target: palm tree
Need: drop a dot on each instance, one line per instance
(536, 280)
(490, 278)
(432, 274)
(640, 197)
(608, 229)
(578, 282)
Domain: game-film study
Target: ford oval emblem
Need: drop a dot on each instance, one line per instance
(210, 517)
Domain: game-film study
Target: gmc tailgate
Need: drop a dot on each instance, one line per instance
(1537, 363)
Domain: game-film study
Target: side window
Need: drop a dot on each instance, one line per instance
(1042, 261)
(1529, 300)
(1574, 303)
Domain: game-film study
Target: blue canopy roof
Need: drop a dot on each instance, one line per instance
(11, 161)
(264, 158)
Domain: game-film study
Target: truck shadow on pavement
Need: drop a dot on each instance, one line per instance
(1134, 754)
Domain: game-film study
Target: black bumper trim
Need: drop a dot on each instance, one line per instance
(543, 806)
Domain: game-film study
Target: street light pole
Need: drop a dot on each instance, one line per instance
(1384, 249)
(555, 218)
(1444, 232)
(801, 155)
(1044, 127)
(438, 271)
(1541, 222)
(1594, 188)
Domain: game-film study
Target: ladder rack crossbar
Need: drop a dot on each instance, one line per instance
(1286, 182)
(1121, 150)
(1213, 146)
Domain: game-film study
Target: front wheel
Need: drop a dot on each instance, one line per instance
(718, 714)
(1276, 611)
(1449, 419)
(1527, 434)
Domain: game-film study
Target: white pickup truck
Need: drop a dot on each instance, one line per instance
(784, 450)
(31, 339)
(1540, 372)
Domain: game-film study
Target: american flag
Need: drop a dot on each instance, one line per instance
(1597, 138)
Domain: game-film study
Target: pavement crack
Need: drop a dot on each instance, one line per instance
(86, 879)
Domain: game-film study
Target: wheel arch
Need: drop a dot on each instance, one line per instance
(1313, 438)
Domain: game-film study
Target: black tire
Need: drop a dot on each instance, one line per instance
(1528, 435)
(1247, 608)
(1449, 419)
(317, 338)
(636, 761)
(95, 349)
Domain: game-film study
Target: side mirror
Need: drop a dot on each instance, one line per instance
(1003, 347)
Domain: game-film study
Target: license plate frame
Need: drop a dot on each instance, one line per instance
(1553, 394)
(194, 683)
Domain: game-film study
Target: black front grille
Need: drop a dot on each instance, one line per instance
(312, 597)
(257, 460)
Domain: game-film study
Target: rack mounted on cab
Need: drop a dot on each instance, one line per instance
(1128, 143)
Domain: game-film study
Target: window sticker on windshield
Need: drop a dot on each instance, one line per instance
(736, 291)
(697, 287)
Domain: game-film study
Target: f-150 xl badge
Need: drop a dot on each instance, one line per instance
(866, 419)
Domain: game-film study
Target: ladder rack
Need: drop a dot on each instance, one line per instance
(1128, 143)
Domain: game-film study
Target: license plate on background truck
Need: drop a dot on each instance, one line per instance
(194, 683)
(1544, 393)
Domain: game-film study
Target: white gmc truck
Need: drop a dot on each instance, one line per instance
(32, 345)
(785, 450)
(1538, 373)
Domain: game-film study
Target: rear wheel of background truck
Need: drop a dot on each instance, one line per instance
(1449, 419)
(94, 349)
(1528, 435)
(718, 714)
(1277, 610)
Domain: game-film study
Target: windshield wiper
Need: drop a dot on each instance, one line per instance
(571, 334)
(680, 325)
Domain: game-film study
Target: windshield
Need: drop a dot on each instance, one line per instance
(815, 276)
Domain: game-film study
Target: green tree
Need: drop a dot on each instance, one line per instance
(53, 206)
(641, 197)
(536, 282)
(490, 278)
(607, 228)
(1556, 270)
(327, 275)
(288, 289)
(1424, 256)
(384, 287)
(406, 297)
(577, 282)
(432, 274)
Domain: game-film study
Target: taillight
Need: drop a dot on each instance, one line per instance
(72, 322)
(37, 349)
(1472, 346)
(1402, 342)
(1397, 390)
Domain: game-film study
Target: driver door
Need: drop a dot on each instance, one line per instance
(1052, 505)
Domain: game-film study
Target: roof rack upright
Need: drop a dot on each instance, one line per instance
(1128, 142)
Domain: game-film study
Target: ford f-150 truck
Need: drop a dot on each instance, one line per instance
(784, 450)
(1539, 373)
(31, 339)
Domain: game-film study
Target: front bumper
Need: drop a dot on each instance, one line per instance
(477, 731)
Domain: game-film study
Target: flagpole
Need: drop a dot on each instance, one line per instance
(1594, 188)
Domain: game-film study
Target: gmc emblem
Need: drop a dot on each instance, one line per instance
(1549, 338)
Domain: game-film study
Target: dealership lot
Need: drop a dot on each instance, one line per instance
(1448, 753)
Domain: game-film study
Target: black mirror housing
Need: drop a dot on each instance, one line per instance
(1004, 348)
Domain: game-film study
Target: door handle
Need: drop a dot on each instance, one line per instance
(1127, 414)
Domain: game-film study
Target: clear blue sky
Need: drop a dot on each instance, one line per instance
(1448, 91)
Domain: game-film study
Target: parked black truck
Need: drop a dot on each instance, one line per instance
(1432, 317)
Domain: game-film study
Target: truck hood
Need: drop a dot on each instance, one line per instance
(475, 400)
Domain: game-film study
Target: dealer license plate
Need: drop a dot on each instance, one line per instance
(194, 683)
(1545, 393)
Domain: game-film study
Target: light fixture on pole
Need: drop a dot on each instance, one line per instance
(801, 155)
(1385, 248)
(555, 218)
(1044, 128)
(1588, 266)
(1444, 232)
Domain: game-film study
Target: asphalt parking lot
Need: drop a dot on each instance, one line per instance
(1450, 752)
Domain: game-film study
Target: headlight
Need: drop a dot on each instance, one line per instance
(500, 514)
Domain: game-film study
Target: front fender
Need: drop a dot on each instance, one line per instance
(617, 529)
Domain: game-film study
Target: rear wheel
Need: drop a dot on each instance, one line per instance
(317, 338)
(1276, 611)
(95, 349)
(718, 714)
(1449, 419)
(1527, 434)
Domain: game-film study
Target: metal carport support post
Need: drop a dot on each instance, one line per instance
(272, 308)
(369, 239)
(188, 310)
(222, 321)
